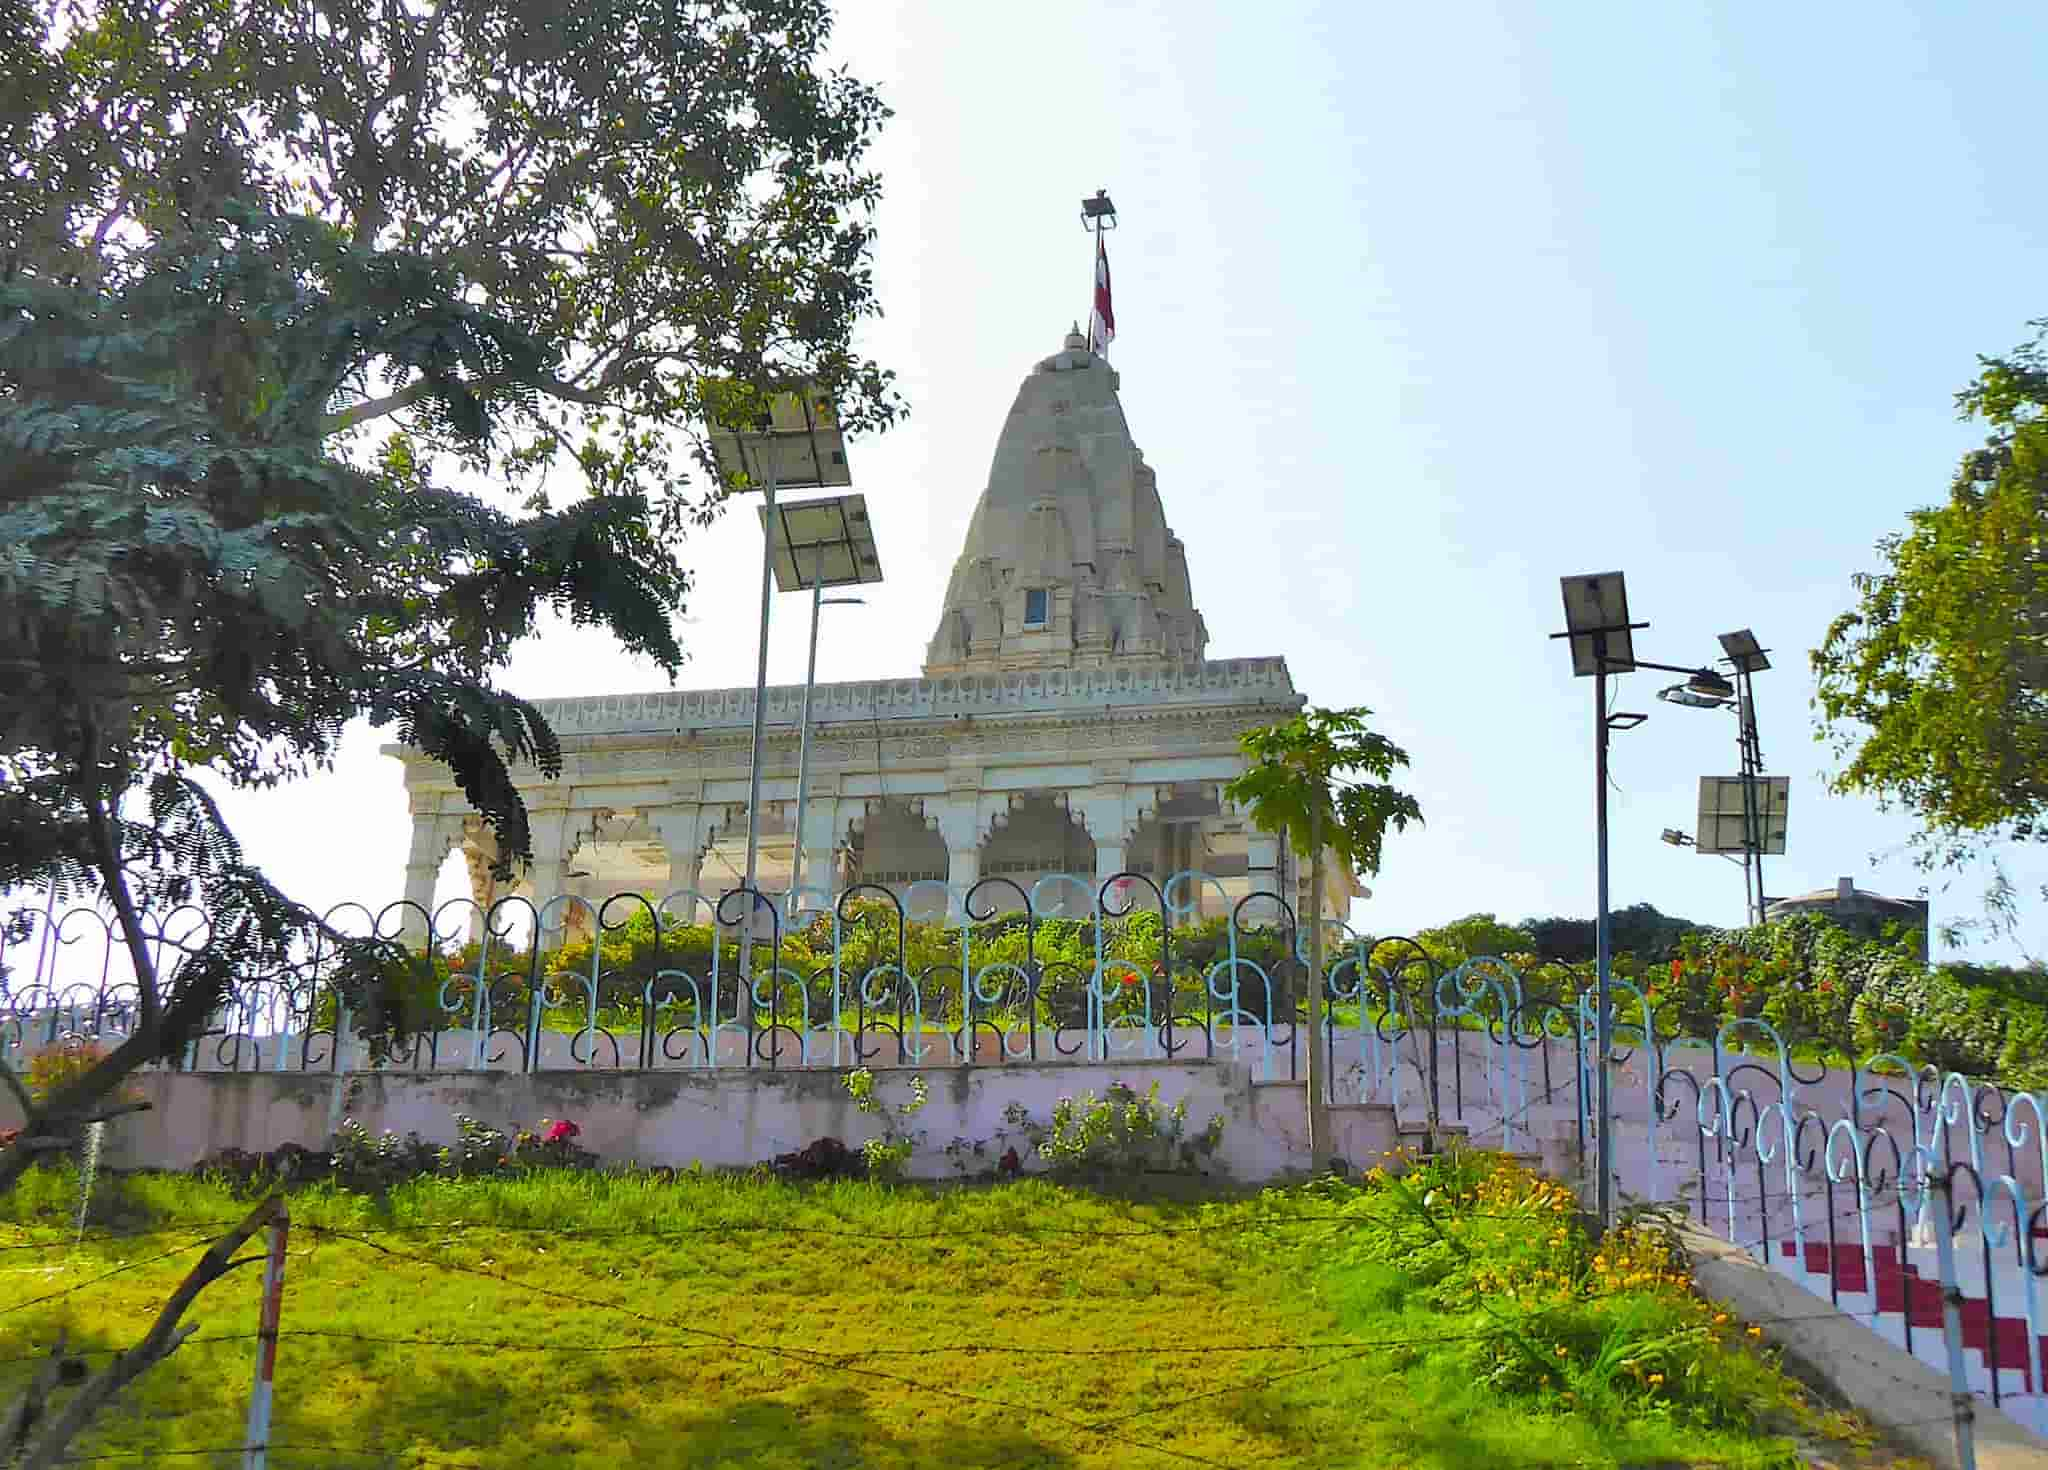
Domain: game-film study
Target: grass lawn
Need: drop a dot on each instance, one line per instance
(567, 1318)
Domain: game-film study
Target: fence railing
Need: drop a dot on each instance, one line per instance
(1881, 1183)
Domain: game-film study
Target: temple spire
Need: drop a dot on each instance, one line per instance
(1068, 561)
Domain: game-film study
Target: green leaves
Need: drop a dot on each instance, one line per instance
(1301, 775)
(1935, 685)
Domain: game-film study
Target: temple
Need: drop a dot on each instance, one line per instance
(1067, 722)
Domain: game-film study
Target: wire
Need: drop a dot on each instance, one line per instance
(106, 1276)
(635, 1345)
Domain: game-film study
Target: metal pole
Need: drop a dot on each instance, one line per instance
(1960, 1397)
(1753, 764)
(1603, 1033)
(256, 1444)
(754, 765)
(803, 743)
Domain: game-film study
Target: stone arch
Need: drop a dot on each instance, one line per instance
(895, 846)
(1041, 836)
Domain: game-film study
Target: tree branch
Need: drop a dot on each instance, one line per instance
(109, 856)
(413, 392)
(28, 1409)
(163, 1339)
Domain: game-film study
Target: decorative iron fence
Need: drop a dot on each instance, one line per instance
(1885, 1185)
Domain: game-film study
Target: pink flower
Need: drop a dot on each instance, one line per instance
(563, 1131)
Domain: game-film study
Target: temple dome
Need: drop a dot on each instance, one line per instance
(1069, 562)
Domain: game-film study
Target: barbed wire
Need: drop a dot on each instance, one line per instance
(78, 1286)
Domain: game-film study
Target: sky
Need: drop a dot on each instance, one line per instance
(1420, 308)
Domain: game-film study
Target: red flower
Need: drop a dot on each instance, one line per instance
(563, 1131)
(1130, 977)
(1677, 971)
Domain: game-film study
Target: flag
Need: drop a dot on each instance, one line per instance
(1102, 320)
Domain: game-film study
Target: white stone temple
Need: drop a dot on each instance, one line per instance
(1068, 721)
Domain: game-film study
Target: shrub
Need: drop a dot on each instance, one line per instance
(823, 1158)
(1607, 1327)
(1118, 1133)
(887, 1157)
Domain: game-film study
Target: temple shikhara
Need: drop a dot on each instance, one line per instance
(1068, 720)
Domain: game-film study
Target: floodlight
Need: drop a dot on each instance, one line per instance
(1742, 651)
(1676, 838)
(1685, 694)
(1098, 213)
(1596, 621)
(1710, 686)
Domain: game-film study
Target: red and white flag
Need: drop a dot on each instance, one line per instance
(1101, 320)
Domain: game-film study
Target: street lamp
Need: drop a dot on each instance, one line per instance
(1709, 690)
(1743, 653)
(1603, 642)
(817, 544)
(794, 443)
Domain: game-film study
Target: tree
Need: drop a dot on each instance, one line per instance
(1473, 936)
(662, 193)
(238, 238)
(1301, 782)
(1935, 685)
(1640, 930)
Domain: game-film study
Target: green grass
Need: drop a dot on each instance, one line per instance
(1026, 1325)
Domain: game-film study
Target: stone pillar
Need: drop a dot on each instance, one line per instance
(1111, 810)
(430, 843)
(480, 851)
(683, 827)
(957, 818)
(822, 826)
(547, 875)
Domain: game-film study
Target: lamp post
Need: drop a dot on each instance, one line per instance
(1707, 690)
(817, 544)
(1743, 653)
(1603, 643)
(794, 444)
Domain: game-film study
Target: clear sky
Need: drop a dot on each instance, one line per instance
(1419, 308)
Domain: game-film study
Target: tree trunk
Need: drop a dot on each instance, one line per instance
(1318, 1085)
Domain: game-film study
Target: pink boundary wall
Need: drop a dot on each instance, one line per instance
(718, 1118)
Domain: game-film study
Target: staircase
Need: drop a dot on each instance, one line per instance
(1897, 1294)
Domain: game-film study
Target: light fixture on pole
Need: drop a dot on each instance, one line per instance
(815, 544)
(1759, 807)
(1747, 657)
(1098, 214)
(1602, 643)
(1676, 838)
(794, 443)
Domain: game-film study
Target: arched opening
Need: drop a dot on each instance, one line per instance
(1040, 839)
(894, 848)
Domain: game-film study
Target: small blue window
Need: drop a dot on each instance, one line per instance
(1034, 607)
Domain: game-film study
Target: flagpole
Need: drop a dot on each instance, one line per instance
(1097, 214)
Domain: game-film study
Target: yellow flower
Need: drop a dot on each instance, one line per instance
(1656, 1378)
(1756, 1332)
(1561, 1351)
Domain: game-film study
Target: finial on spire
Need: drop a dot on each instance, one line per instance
(1075, 341)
